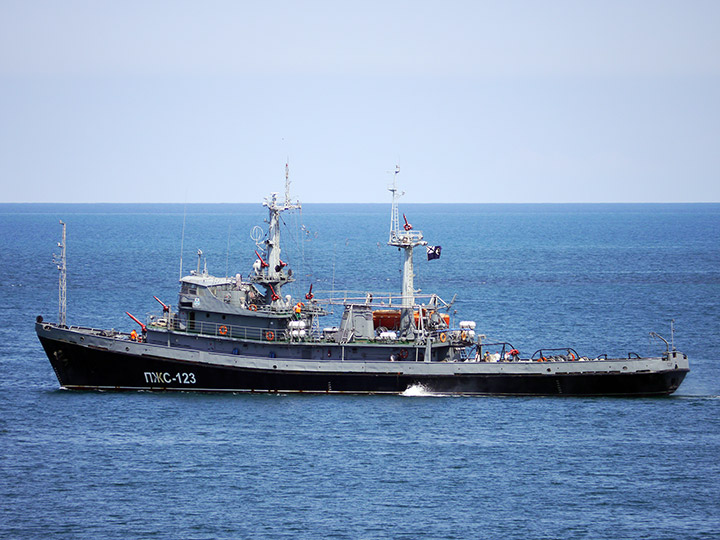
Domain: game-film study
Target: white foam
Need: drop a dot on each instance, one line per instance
(418, 390)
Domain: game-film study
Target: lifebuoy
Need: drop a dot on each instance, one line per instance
(443, 337)
(403, 353)
(252, 307)
(463, 336)
(222, 330)
(572, 357)
(270, 335)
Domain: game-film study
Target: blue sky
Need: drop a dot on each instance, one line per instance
(171, 101)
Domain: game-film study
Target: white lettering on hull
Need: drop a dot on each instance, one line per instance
(159, 377)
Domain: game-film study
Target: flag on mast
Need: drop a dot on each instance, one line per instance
(433, 252)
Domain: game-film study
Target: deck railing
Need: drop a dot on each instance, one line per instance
(207, 328)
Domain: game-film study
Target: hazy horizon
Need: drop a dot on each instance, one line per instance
(498, 102)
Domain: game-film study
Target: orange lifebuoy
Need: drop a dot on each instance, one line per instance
(270, 335)
(572, 357)
(222, 330)
(252, 307)
(403, 353)
(443, 337)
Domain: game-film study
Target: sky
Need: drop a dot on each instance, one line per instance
(477, 101)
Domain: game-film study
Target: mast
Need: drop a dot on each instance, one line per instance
(61, 262)
(404, 238)
(394, 215)
(272, 275)
(287, 182)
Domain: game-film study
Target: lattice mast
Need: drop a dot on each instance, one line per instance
(61, 262)
(394, 213)
(404, 238)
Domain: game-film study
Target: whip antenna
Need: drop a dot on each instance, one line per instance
(182, 240)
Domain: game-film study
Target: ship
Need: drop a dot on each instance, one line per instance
(235, 334)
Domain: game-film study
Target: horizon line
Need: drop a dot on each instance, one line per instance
(345, 202)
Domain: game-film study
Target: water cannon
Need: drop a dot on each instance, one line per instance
(407, 226)
(275, 296)
(166, 308)
(263, 264)
(142, 326)
(280, 266)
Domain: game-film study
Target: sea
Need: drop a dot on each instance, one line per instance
(595, 277)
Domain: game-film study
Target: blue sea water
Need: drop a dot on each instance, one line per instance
(181, 465)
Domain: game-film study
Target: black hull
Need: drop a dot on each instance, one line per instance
(80, 367)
